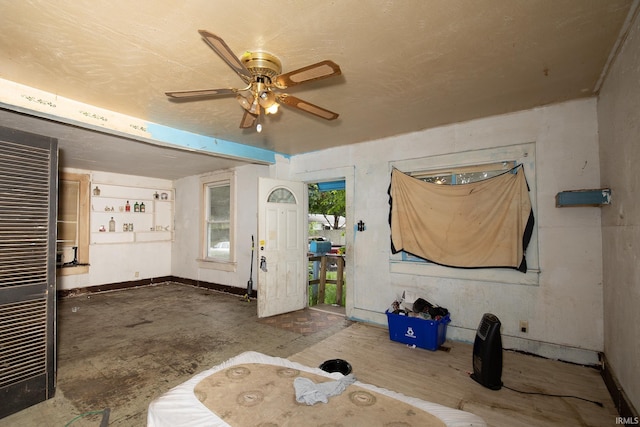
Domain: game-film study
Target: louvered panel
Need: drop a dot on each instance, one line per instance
(32, 154)
(28, 203)
(23, 340)
(24, 214)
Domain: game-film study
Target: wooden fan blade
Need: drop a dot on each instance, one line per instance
(224, 51)
(320, 70)
(204, 93)
(298, 103)
(248, 120)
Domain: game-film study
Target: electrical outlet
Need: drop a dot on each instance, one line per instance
(524, 326)
(136, 274)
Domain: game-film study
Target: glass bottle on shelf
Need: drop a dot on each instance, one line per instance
(96, 191)
(136, 207)
(112, 225)
(142, 207)
(127, 207)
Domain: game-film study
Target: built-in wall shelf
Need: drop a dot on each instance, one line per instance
(140, 214)
(575, 198)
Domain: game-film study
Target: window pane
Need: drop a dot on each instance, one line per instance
(218, 238)
(219, 221)
(219, 206)
(466, 174)
(281, 195)
(465, 178)
(438, 179)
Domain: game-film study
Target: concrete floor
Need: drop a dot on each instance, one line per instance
(122, 349)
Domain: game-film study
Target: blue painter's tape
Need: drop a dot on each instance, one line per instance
(193, 141)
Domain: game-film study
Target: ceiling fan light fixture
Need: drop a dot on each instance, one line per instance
(267, 100)
(273, 109)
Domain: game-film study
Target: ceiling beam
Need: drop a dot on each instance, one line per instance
(28, 100)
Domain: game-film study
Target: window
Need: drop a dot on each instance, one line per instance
(465, 174)
(72, 251)
(218, 220)
(218, 215)
(461, 168)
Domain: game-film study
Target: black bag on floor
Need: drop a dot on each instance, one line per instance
(423, 306)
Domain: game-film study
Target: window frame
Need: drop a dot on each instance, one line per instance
(520, 154)
(208, 181)
(83, 209)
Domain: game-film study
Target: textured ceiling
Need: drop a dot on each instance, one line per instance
(407, 65)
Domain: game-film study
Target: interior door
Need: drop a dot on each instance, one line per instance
(281, 251)
(28, 206)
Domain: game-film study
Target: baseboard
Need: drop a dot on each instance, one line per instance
(153, 281)
(214, 286)
(623, 405)
(579, 356)
(61, 293)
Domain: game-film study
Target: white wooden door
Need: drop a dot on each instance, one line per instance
(281, 250)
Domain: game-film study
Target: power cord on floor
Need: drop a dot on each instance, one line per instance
(554, 395)
(105, 417)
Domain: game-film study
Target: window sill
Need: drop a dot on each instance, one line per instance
(69, 271)
(496, 275)
(210, 264)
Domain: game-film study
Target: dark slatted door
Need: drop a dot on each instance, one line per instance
(28, 205)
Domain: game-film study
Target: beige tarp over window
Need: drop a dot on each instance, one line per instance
(482, 224)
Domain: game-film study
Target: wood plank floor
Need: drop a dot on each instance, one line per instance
(443, 377)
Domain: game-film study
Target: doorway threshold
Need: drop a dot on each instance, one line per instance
(330, 308)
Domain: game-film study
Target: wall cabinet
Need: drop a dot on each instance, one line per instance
(148, 218)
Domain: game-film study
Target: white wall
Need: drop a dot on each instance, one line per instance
(565, 310)
(187, 225)
(619, 126)
(115, 263)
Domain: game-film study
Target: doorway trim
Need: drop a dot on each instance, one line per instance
(348, 175)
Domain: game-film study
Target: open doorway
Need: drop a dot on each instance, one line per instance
(327, 286)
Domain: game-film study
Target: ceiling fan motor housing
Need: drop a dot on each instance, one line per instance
(262, 64)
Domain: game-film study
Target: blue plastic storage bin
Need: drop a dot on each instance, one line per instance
(319, 247)
(423, 333)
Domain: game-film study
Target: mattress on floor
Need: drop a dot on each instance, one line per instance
(253, 389)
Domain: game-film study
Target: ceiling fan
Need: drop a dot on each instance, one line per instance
(261, 72)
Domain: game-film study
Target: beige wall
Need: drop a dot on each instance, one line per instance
(619, 130)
